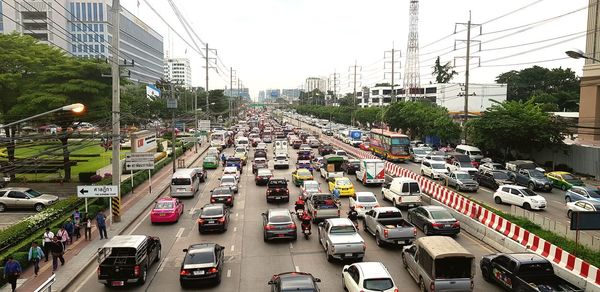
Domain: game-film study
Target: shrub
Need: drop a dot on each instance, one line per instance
(108, 175)
(95, 178)
(85, 177)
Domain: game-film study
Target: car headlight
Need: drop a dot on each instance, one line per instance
(534, 201)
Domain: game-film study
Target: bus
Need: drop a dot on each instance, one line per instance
(218, 139)
(391, 146)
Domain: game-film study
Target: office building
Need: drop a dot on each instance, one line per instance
(179, 71)
(313, 83)
(241, 92)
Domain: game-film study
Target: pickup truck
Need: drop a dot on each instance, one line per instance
(319, 209)
(532, 179)
(517, 165)
(340, 240)
(460, 180)
(332, 166)
(402, 191)
(523, 272)
(388, 226)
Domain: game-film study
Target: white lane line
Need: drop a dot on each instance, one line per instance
(162, 265)
(179, 232)
(558, 202)
(139, 223)
(297, 269)
(192, 210)
(485, 190)
(234, 229)
(237, 214)
(229, 273)
(291, 245)
(232, 247)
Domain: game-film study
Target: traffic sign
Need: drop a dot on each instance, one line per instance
(204, 125)
(139, 156)
(139, 165)
(172, 103)
(97, 191)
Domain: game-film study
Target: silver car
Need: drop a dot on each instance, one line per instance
(24, 198)
(278, 224)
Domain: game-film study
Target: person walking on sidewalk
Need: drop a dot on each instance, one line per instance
(101, 221)
(35, 255)
(47, 241)
(63, 236)
(12, 271)
(87, 221)
(70, 228)
(57, 250)
(77, 217)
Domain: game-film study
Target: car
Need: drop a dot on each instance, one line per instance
(260, 146)
(213, 217)
(260, 153)
(519, 196)
(492, 179)
(300, 175)
(213, 151)
(268, 139)
(343, 184)
(582, 206)
(325, 149)
(263, 175)
(277, 190)
(309, 187)
(434, 220)
(433, 169)
(232, 170)
(255, 141)
(281, 161)
(350, 166)
(229, 181)
(461, 181)
(314, 143)
(166, 209)
(25, 198)
(304, 164)
(294, 281)
(340, 152)
(363, 202)
(367, 276)
(210, 162)
(418, 154)
(305, 146)
(582, 193)
(202, 262)
(491, 166)
(241, 153)
(223, 195)
(564, 180)
(317, 162)
(258, 163)
(278, 224)
(366, 146)
(296, 143)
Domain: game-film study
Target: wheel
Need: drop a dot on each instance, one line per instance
(531, 186)
(569, 214)
(485, 274)
(526, 206)
(377, 240)
(404, 261)
(344, 284)
(157, 256)
(564, 187)
(422, 173)
(567, 199)
(422, 285)
(458, 188)
(38, 207)
(497, 200)
(2, 207)
(142, 280)
(426, 229)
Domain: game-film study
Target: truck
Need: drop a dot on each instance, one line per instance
(532, 179)
(332, 166)
(460, 180)
(280, 146)
(523, 272)
(317, 207)
(517, 165)
(371, 171)
(340, 240)
(388, 226)
(402, 192)
(354, 137)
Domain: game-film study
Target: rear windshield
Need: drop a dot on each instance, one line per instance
(385, 215)
(378, 284)
(178, 181)
(440, 214)
(163, 205)
(453, 268)
(228, 180)
(475, 152)
(201, 257)
(367, 199)
(279, 219)
(212, 212)
(277, 184)
(342, 229)
(264, 173)
(221, 191)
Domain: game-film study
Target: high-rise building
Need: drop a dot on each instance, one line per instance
(290, 94)
(179, 71)
(241, 92)
(313, 83)
(82, 27)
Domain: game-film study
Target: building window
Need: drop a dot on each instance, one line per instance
(387, 100)
(72, 10)
(101, 12)
(74, 48)
(79, 49)
(83, 14)
(374, 92)
(375, 100)
(89, 11)
(77, 10)
(95, 25)
(90, 48)
(85, 37)
(91, 37)
(431, 90)
(73, 28)
(96, 47)
(387, 91)
(101, 26)
(101, 48)
(73, 37)
(95, 11)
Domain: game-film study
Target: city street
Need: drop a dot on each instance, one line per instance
(249, 261)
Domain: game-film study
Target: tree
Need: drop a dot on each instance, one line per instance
(347, 100)
(443, 73)
(368, 116)
(516, 125)
(419, 119)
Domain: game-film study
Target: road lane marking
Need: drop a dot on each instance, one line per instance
(232, 247)
(234, 229)
(162, 264)
(192, 210)
(139, 223)
(297, 269)
(485, 190)
(291, 245)
(237, 214)
(229, 273)
(179, 232)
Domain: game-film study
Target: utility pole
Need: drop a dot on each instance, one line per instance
(174, 154)
(116, 112)
(334, 88)
(467, 60)
(230, 89)
(392, 54)
(196, 129)
(354, 76)
(207, 67)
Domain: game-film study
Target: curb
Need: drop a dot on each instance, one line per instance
(92, 259)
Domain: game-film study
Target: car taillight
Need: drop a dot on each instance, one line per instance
(385, 233)
(136, 270)
(415, 232)
(222, 219)
(212, 270)
(184, 272)
(287, 191)
(396, 289)
(436, 225)
(456, 224)
(292, 226)
(201, 221)
(229, 199)
(269, 227)
(212, 200)
(432, 287)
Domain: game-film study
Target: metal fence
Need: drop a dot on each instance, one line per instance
(583, 159)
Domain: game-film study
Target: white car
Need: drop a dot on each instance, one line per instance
(261, 145)
(363, 202)
(229, 181)
(340, 153)
(491, 166)
(232, 170)
(519, 196)
(281, 161)
(367, 277)
(582, 206)
(433, 169)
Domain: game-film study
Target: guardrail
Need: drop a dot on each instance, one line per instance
(47, 285)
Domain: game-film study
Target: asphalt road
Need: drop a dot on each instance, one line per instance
(249, 261)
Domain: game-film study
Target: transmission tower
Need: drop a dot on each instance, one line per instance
(412, 80)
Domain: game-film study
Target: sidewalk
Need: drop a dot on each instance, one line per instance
(79, 254)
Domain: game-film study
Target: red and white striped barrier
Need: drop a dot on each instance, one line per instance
(487, 218)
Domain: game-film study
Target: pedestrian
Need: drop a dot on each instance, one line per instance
(63, 235)
(77, 217)
(57, 250)
(101, 222)
(34, 256)
(88, 227)
(70, 228)
(47, 241)
(12, 271)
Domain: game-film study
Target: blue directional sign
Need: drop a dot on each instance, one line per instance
(355, 135)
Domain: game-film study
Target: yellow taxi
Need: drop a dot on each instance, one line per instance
(300, 175)
(343, 184)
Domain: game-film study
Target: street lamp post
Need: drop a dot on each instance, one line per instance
(578, 54)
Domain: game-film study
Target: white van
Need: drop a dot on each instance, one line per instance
(185, 182)
(242, 142)
(402, 192)
(280, 146)
(473, 152)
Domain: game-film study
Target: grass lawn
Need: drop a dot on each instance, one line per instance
(92, 163)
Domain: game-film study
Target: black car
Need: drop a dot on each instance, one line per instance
(202, 262)
(213, 217)
(222, 195)
(434, 220)
(294, 281)
(493, 179)
(263, 176)
(260, 153)
(325, 149)
(277, 190)
(350, 166)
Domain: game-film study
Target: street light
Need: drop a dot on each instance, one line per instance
(578, 54)
(76, 108)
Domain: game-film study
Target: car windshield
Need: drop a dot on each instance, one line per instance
(277, 184)
(163, 205)
(440, 214)
(199, 257)
(420, 151)
(463, 176)
(221, 191)
(33, 193)
(536, 174)
(342, 229)
(181, 181)
(528, 192)
(280, 218)
(438, 166)
(475, 152)
(209, 159)
(341, 153)
(378, 284)
(367, 199)
(264, 172)
(311, 187)
(343, 182)
(228, 180)
(303, 172)
(240, 150)
(212, 211)
(500, 175)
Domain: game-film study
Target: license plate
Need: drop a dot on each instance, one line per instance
(117, 283)
(162, 214)
(348, 255)
(280, 235)
(368, 208)
(181, 190)
(196, 273)
(277, 198)
(211, 222)
(411, 205)
(448, 225)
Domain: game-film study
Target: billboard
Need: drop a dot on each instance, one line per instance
(581, 220)
(143, 141)
(152, 91)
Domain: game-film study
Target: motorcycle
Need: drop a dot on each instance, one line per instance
(306, 230)
(299, 213)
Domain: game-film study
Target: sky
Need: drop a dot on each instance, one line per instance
(279, 43)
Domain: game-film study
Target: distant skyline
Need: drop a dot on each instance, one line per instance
(279, 43)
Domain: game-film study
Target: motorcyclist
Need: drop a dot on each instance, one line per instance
(306, 222)
(299, 204)
(353, 215)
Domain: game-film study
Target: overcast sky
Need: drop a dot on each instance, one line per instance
(279, 43)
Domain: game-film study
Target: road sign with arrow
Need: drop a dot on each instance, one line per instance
(97, 191)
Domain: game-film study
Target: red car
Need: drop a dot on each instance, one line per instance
(166, 209)
(364, 146)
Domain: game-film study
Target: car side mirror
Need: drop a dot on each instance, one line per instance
(317, 280)
(185, 250)
(219, 178)
(271, 282)
(211, 191)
